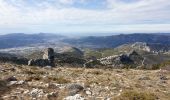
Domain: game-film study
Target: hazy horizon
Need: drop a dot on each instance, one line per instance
(84, 34)
(84, 17)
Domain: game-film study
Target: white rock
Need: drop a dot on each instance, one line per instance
(16, 82)
(26, 92)
(88, 92)
(36, 92)
(12, 83)
(48, 67)
(52, 94)
(20, 82)
(75, 97)
(107, 99)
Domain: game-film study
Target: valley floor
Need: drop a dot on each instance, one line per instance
(20, 82)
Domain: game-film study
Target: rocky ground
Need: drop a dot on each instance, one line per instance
(19, 82)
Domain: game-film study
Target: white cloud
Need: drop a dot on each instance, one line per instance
(143, 13)
(66, 1)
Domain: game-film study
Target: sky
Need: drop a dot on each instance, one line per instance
(84, 17)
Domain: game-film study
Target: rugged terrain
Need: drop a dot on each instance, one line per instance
(53, 67)
(21, 82)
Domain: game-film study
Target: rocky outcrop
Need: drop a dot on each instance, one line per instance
(48, 59)
(39, 62)
(66, 59)
(49, 54)
(141, 46)
(132, 58)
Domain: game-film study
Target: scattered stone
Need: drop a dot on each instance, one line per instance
(163, 78)
(74, 89)
(36, 92)
(52, 95)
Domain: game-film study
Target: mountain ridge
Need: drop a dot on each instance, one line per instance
(21, 39)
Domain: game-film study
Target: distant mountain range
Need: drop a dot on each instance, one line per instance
(117, 40)
(20, 40)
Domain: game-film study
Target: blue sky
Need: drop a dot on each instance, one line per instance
(80, 17)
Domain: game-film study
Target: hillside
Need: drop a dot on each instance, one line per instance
(149, 53)
(25, 82)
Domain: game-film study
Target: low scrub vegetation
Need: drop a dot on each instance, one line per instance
(134, 95)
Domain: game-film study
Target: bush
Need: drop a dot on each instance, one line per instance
(156, 66)
(134, 95)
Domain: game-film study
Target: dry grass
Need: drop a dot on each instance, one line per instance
(112, 83)
(59, 80)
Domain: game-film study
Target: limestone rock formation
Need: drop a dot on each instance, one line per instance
(132, 58)
(39, 62)
(48, 59)
(48, 54)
